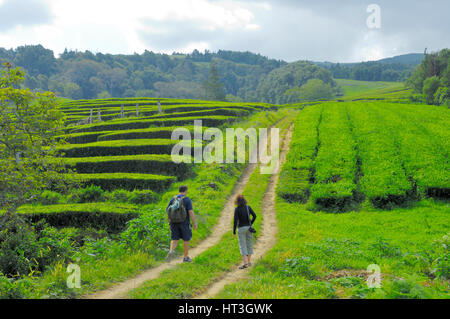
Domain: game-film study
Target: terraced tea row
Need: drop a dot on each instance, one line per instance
(109, 216)
(131, 153)
(204, 111)
(386, 152)
(334, 166)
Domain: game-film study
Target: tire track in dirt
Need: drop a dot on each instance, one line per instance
(120, 290)
(268, 229)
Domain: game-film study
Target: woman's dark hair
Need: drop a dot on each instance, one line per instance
(240, 200)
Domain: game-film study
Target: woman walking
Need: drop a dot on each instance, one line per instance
(244, 229)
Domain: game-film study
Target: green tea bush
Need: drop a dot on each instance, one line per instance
(335, 163)
(49, 198)
(130, 181)
(88, 194)
(151, 228)
(27, 248)
(118, 196)
(143, 197)
(405, 289)
(298, 266)
(296, 172)
(383, 178)
(385, 249)
(16, 288)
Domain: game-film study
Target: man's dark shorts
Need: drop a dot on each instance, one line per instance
(181, 231)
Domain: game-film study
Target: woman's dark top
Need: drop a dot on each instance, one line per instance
(241, 217)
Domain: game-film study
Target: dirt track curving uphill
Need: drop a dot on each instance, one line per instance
(268, 229)
(120, 291)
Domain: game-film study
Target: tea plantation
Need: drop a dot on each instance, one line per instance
(389, 154)
(124, 151)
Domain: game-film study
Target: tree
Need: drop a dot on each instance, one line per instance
(280, 84)
(213, 87)
(36, 59)
(430, 86)
(73, 91)
(30, 123)
(314, 89)
(432, 77)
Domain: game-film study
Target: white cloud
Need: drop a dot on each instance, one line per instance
(114, 26)
(285, 29)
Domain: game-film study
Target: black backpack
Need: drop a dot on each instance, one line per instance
(177, 212)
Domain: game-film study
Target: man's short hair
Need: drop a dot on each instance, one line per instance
(182, 189)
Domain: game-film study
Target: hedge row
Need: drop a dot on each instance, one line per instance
(128, 181)
(122, 147)
(118, 102)
(149, 111)
(147, 133)
(295, 175)
(424, 152)
(109, 216)
(335, 163)
(128, 124)
(204, 111)
(144, 164)
(384, 180)
(85, 137)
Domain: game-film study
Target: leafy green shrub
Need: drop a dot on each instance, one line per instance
(298, 266)
(430, 86)
(130, 181)
(405, 289)
(25, 248)
(385, 249)
(434, 261)
(143, 197)
(89, 194)
(150, 227)
(349, 281)
(118, 196)
(16, 288)
(111, 217)
(49, 198)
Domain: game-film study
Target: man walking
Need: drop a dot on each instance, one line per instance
(182, 230)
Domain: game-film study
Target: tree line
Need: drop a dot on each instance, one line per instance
(87, 75)
(431, 79)
(222, 75)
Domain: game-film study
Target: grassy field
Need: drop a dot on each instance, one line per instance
(355, 88)
(322, 255)
(109, 258)
(366, 182)
(392, 160)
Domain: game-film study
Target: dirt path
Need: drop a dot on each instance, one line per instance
(268, 229)
(120, 291)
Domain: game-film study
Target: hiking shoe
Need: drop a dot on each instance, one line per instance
(171, 255)
(243, 266)
(187, 260)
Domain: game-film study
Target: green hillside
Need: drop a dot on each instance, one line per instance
(366, 181)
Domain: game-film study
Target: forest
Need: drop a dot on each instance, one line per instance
(222, 75)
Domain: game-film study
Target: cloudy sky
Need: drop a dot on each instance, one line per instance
(320, 30)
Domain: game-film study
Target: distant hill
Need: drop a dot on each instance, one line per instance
(398, 68)
(411, 59)
(85, 75)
